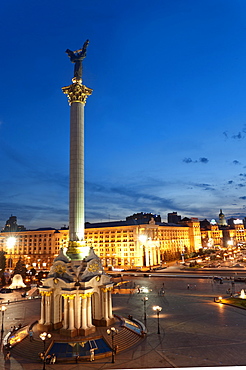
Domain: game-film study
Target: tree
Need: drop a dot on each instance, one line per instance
(20, 268)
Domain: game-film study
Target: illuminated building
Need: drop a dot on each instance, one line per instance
(129, 243)
(236, 234)
(212, 236)
(222, 220)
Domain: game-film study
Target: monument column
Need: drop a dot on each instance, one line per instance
(77, 94)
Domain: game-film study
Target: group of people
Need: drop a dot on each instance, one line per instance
(50, 359)
(14, 328)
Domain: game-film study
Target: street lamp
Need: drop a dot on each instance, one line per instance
(3, 309)
(158, 309)
(112, 331)
(44, 336)
(144, 302)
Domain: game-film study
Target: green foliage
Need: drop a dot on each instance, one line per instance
(233, 301)
(20, 268)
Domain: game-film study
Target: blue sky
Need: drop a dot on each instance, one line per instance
(166, 123)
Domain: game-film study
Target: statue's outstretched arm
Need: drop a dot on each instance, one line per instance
(70, 53)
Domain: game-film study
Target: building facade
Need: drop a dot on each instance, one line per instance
(125, 244)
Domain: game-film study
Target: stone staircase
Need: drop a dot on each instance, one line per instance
(124, 339)
(30, 350)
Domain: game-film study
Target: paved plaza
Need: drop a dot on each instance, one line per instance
(194, 331)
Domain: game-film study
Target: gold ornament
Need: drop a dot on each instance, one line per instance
(60, 269)
(76, 92)
(93, 267)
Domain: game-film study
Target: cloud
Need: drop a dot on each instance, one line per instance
(236, 162)
(238, 136)
(204, 186)
(188, 160)
(24, 213)
(201, 160)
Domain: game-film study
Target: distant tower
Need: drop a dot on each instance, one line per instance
(77, 95)
(222, 220)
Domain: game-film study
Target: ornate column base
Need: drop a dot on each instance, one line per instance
(58, 325)
(69, 333)
(104, 322)
(45, 327)
(87, 331)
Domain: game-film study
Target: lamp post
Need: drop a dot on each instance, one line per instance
(158, 309)
(3, 309)
(144, 302)
(112, 331)
(44, 336)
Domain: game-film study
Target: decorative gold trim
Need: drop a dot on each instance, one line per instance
(76, 92)
(86, 295)
(68, 296)
(107, 289)
(45, 293)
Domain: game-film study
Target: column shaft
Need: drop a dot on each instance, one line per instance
(110, 313)
(65, 326)
(76, 194)
(47, 309)
(71, 314)
(83, 314)
(42, 319)
(89, 321)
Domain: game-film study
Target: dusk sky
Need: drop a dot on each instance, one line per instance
(165, 127)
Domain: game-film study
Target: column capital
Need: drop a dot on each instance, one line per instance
(45, 293)
(76, 92)
(68, 296)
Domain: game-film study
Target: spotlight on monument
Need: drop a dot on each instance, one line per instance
(11, 242)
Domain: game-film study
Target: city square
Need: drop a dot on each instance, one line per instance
(126, 290)
(194, 330)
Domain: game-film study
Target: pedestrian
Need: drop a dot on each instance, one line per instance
(53, 359)
(48, 359)
(92, 358)
(188, 286)
(31, 335)
(7, 356)
(76, 359)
